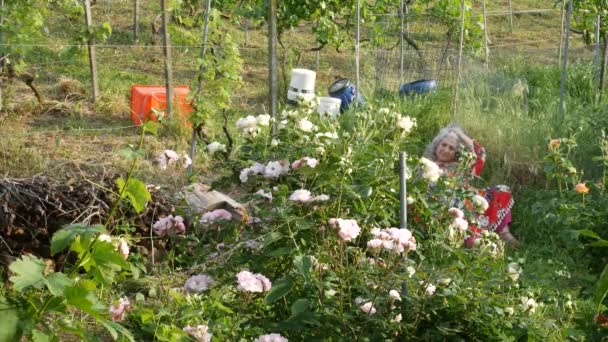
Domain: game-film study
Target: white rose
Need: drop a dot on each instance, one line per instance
(305, 125)
(263, 120)
(216, 147)
(406, 123)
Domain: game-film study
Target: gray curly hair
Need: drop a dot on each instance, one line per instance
(430, 151)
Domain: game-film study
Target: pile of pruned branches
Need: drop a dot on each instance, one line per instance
(32, 209)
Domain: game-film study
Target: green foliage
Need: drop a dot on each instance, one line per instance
(279, 290)
(558, 166)
(602, 288)
(9, 321)
(29, 272)
(221, 71)
(136, 191)
(64, 237)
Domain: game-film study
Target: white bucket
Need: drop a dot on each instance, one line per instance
(302, 84)
(329, 106)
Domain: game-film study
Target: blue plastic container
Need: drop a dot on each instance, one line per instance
(347, 92)
(419, 87)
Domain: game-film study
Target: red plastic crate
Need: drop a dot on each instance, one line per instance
(144, 98)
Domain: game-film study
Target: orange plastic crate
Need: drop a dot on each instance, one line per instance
(144, 98)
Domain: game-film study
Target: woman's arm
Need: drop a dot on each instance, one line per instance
(468, 142)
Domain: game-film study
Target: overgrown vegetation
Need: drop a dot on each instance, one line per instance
(314, 256)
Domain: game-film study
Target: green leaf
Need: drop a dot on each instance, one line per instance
(136, 191)
(588, 233)
(299, 306)
(39, 336)
(105, 262)
(64, 237)
(303, 264)
(83, 299)
(130, 154)
(122, 330)
(146, 315)
(56, 283)
(151, 127)
(271, 238)
(9, 322)
(364, 190)
(602, 288)
(279, 289)
(279, 252)
(29, 271)
(110, 329)
(601, 243)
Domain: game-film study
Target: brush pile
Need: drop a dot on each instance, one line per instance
(32, 209)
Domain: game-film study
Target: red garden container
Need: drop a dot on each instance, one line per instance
(144, 98)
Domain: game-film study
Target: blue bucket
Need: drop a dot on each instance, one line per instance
(345, 91)
(419, 87)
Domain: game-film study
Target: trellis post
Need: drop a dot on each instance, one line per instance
(199, 87)
(273, 76)
(485, 34)
(401, 43)
(596, 60)
(403, 189)
(457, 86)
(91, 50)
(561, 32)
(510, 17)
(167, 55)
(2, 48)
(562, 93)
(135, 20)
(357, 38)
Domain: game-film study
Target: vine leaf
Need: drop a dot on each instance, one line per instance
(56, 282)
(136, 191)
(279, 290)
(29, 271)
(602, 288)
(64, 237)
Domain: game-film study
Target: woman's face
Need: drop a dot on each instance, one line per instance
(447, 148)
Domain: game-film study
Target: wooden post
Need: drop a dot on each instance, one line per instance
(510, 17)
(561, 32)
(457, 88)
(562, 93)
(91, 48)
(357, 36)
(135, 20)
(596, 60)
(403, 189)
(604, 69)
(199, 87)
(318, 54)
(246, 29)
(167, 54)
(407, 18)
(1, 49)
(273, 76)
(401, 45)
(485, 34)
(203, 47)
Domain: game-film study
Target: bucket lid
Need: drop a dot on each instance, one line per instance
(303, 72)
(339, 85)
(330, 100)
(303, 79)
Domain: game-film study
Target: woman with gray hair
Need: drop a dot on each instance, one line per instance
(445, 150)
